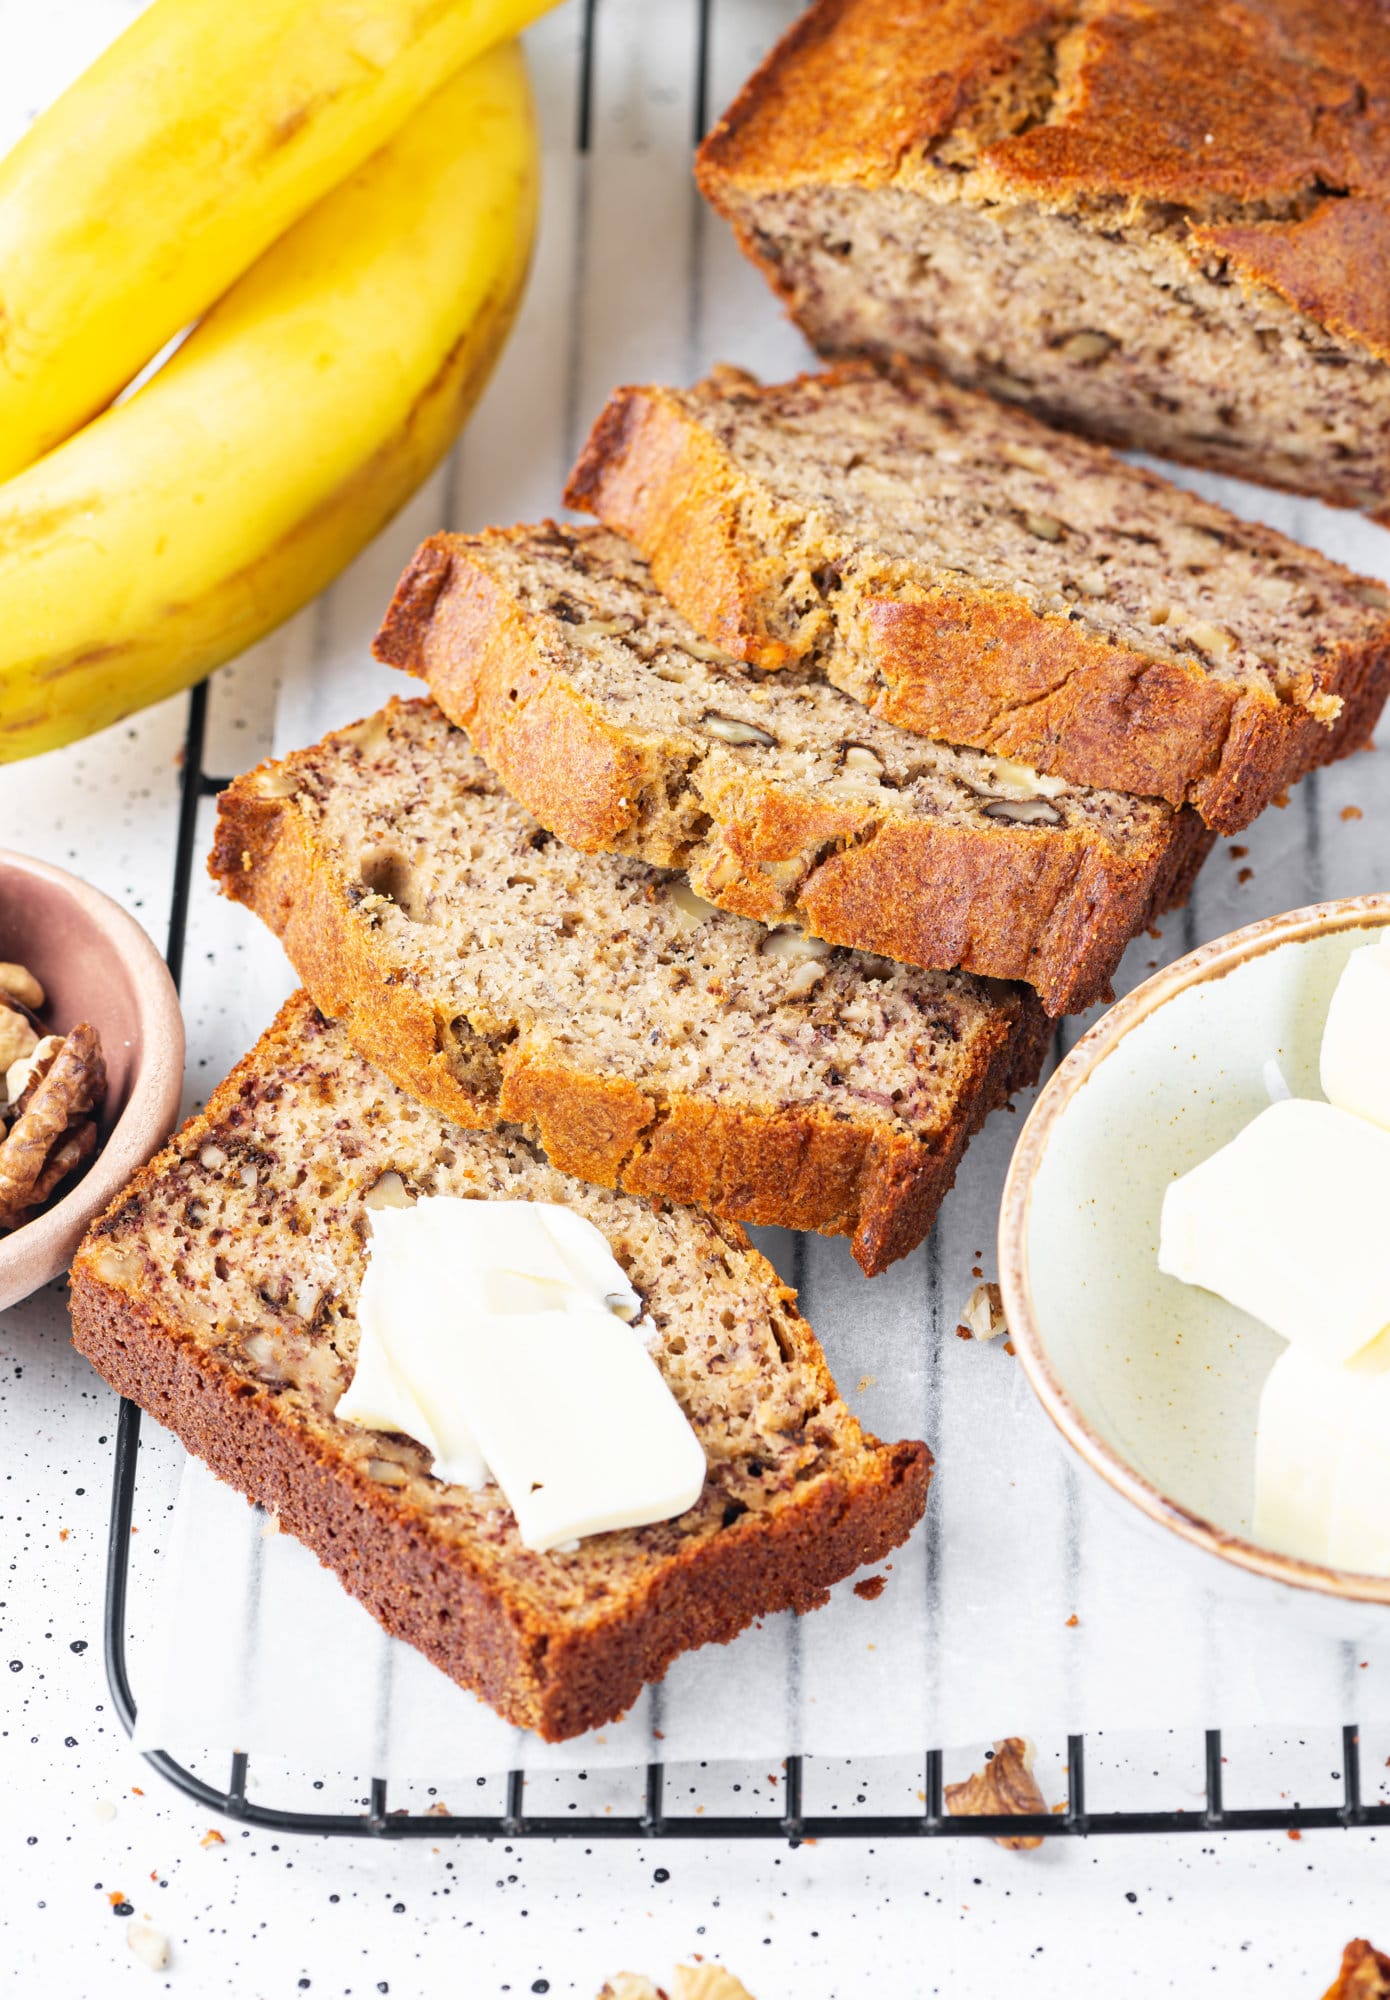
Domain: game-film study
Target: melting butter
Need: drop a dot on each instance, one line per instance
(500, 1335)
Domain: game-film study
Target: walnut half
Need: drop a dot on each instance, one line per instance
(54, 1129)
(1006, 1785)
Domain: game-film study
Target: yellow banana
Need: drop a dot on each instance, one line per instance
(195, 141)
(184, 523)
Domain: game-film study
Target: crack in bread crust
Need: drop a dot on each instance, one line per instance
(1204, 181)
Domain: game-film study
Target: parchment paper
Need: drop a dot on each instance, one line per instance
(1031, 1600)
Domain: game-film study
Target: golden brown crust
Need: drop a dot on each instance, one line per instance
(857, 88)
(1293, 107)
(1292, 98)
(1331, 265)
(792, 1166)
(972, 664)
(555, 1677)
(1055, 914)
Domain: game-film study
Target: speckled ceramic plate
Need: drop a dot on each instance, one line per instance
(1155, 1383)
(95, 964)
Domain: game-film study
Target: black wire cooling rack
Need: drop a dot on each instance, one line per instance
(380, 1822)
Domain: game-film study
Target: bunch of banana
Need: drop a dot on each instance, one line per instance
(319, 386)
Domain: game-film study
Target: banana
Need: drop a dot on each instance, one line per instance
(190, 519)
(196, 140)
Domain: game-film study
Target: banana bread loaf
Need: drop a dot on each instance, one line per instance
(604, 713)
(1167, 225)
(644, 1038)
(219, 1292)
(972, 575)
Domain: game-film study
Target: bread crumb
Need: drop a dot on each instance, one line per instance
(1352, 812)
(1245, 874)
(437, 1811)
(1281, 799)
(1237, 852)
(866, 1382)
(1073, 1620)
(212, 1838)
(870, 1587)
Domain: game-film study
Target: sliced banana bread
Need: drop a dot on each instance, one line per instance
(1166, 224)
(644, 1038)
(604, 713)
(219, 1292)
(972, 575)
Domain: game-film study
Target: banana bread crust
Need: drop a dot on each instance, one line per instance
(799, 1166)
(555, 1676)
(969, 663)
(1267, 176)
(991, 899)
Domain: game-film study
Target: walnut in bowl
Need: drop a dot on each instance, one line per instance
(105, 1090)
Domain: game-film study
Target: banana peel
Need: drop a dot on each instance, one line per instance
(203, 133)
(186, 522)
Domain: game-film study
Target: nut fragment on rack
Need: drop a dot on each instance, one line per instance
(52, 1129)
(1365, 1974)
(1005, 1785)
(983, 1314)
(689, 1982)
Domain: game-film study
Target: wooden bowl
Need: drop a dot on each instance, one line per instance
(95, 964)
(1155, 1383)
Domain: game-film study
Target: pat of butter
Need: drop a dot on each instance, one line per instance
(1355, 1061)
(497, 1334)
(1320, 1488)
(1288, 1222)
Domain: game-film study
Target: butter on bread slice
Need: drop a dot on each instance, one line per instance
(218, 1292)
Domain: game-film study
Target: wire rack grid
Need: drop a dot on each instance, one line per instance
(377, 1820)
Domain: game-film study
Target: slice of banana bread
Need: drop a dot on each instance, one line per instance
(1166, 224)
(604, 713)
(644, 1038)
(970, 574)
(219, 1292)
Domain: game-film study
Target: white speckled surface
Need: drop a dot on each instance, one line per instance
(632, 280)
